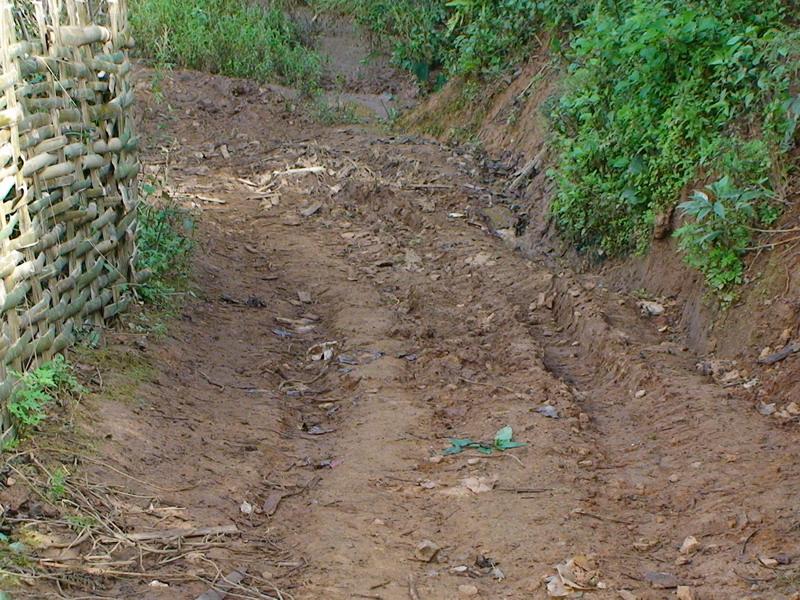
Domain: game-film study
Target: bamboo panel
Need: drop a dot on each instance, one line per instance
(68, 170)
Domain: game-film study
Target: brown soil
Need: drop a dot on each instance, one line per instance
(442, 331)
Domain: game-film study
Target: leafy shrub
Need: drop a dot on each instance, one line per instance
(471, 38)
(164, 246)
(232, 37)
(414, 29)
(658, 94)
(719, 232)
(36, 389)
(488, 36)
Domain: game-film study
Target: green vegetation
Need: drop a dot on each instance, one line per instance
(715, 239)
(462, 38)
(164, 244)
(231, 37)
(664, 94)
(57, 484)
(658, 96)
(415, 28)
(36, 389)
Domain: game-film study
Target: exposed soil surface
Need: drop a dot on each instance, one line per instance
(329, 464)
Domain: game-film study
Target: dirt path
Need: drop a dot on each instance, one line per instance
(331, 470)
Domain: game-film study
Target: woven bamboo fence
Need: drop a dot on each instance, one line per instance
(68, 172)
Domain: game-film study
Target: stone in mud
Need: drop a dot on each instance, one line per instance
(662, 226)
(690, 545)
(684, 592)
(661, 581)
(651, 309)
(499, 217)
(426, 550)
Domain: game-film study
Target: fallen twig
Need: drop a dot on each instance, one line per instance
(220, 590)
(173, 534)
(212, 382)
(580, 511)
(743, 551)
(780, 355)
(412, 589)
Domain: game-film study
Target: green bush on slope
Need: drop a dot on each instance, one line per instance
(657, 95)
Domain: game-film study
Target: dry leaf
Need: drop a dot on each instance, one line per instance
(479, 485)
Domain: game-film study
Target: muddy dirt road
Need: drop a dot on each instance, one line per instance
(349, 321)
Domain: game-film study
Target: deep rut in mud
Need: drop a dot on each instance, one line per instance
(331, 466)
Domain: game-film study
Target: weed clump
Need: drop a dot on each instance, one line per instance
(36, 389)
(231, 37)
(164, 247)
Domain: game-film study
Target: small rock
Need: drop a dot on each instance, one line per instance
(479, 485)
(640, 394)
(651, 309)
(662, 225)
(749, 385)
(765, 352)
(661, 581)
(246, 508)
(467, 590)
(768, 562)
(627, 595)
(499, 217)
(291, 220)
(793, 408)
(473, 461)
(729, 377)
(548, 411)
(684, 592)
(690, 545)
(311, 210)
(683, 560)
(436, 459)
(426, 551)
(766, 409)
(645, 545)
(674, 478)
(482, 259)
(379, 522)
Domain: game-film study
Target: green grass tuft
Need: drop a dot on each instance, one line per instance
(231, 37)
(164, 245)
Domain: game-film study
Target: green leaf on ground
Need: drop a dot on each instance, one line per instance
(503, 440)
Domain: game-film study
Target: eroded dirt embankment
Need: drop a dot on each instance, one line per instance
(330, 465)
(508, 119)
